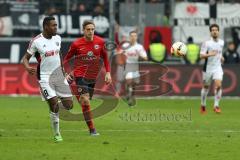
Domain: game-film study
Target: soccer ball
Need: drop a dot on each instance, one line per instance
(179, 49)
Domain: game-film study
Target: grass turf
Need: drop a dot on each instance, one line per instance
(163, 129)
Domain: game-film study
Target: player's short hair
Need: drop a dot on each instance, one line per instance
(46, 20)
(213, 25)
(87, 22)
(134, 31)
(231, 42)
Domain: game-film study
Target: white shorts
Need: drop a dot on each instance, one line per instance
(54, 88)
(209, 76)
(133, 75)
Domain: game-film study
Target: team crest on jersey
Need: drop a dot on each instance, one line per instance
(57, 43)
(79, 90)
(96, 46)
(90, 53)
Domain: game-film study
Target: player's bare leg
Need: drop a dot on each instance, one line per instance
(217, 95)
(54, 116)
(204, 93)
(86, 110)
(66, 103)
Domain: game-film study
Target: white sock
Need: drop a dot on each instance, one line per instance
(218, 95)
(55, 122)
(204, 93)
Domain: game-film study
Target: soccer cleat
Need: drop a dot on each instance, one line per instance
(58, 138)
(93, 132)
(203, 110)
(216, 109)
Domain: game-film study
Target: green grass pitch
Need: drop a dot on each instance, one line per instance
(177, 132)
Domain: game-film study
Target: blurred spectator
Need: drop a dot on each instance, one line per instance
(231, 56)
(193, 49)
(51, 10)
(73, 8)
(98, 10)
(81, 9)
(78, 9)
(154, 1)
(157, 50)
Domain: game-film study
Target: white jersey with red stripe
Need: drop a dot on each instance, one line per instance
(134, 52)
(132, 66)
(212, 63)
(47, 53)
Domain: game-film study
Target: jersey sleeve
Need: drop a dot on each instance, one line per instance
(32, 49)
(60, 40)
(105, 59)
(71, 52)
(142, 51)
(204, 48)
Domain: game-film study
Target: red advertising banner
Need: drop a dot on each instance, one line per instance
(15, 80)
(156, 80)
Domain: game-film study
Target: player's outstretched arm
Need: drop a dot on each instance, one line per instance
(25, 61)
(209, 54)
(108, 78)
(143, 54)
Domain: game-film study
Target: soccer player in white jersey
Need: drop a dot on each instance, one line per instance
(46, 48)
(133, 53)
(211, 51)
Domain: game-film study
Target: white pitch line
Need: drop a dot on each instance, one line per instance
(129, 130)
(140, 97)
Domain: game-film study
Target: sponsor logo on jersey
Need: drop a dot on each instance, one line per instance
(89, 57)
(90, 53)
(79, 90)
(49, 53)
(132, 54)
(96, 46)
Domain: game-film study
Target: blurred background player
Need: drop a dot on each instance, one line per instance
(157, 49)
(192, 56)
(133, 53)
(231, 56)
(87, 52)
(46, 48)
(211, 51)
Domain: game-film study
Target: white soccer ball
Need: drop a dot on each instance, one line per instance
(179, 49)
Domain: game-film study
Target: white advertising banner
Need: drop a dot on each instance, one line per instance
(191, 10)
(193, 19)
(228, 15)
(190, 20)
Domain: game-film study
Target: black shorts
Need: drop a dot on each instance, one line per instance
(85, 86)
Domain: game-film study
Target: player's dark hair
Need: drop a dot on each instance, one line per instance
(87, 22)
(132, 32)
(213, 25)
(46, 20)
